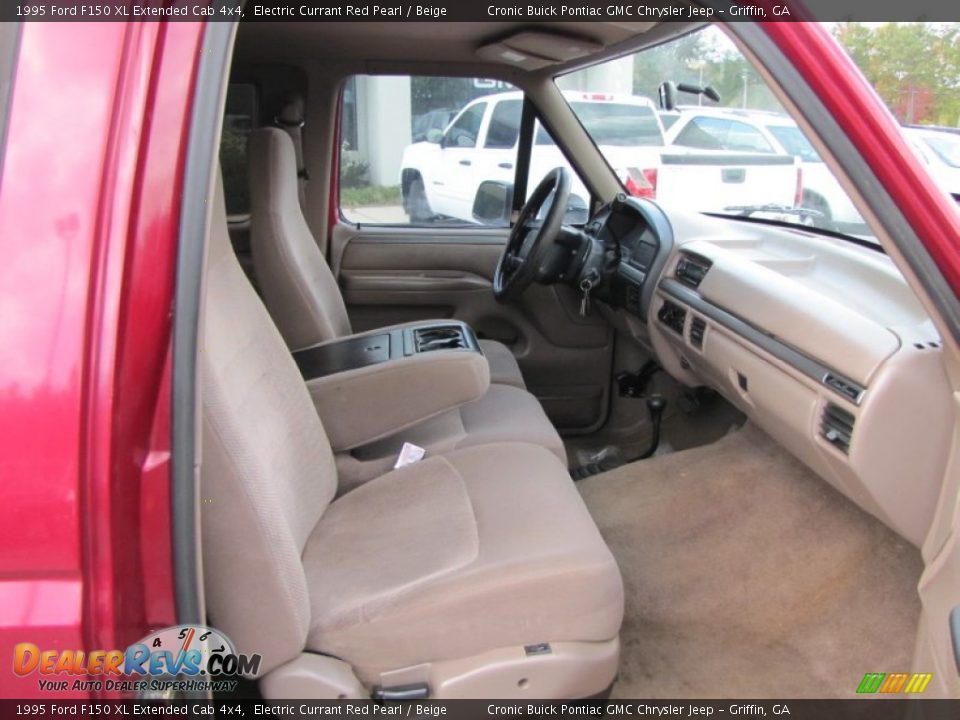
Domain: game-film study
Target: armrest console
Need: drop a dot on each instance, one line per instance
(372, 385)
(378, 346)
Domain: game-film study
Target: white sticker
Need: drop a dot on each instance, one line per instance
(409, 454)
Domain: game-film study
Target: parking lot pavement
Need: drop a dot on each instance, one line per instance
(377, 214)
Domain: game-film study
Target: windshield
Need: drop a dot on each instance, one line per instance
(741, 156)
(946, 147)
(794, 142)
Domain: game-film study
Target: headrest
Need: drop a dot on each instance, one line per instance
(291, 114)
(272, 171)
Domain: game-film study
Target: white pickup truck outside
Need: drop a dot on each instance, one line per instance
(767, 132)
(441, 178)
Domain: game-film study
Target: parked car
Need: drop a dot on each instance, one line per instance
(769, 132)
(940, 151)
(441, 177)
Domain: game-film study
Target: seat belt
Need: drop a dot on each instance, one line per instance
(290, 120)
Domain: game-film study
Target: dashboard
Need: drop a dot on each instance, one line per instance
(818, 341)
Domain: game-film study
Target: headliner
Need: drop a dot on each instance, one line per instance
(404, 43)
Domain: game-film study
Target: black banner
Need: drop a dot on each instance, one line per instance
(480, 709)
(479, 10)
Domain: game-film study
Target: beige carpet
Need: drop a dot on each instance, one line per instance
(747, 576)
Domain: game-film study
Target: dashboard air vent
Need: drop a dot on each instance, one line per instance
(698, 326)
(691, 269)
(836, 427)
(673, 316)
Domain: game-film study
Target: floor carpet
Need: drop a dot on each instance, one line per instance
(748, 576)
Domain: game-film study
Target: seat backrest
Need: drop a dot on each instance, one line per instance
(297, 285)
(267, 471)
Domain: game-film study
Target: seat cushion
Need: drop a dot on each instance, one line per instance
(507, 413)
(504, 369)
(503, 414)
(482, 548)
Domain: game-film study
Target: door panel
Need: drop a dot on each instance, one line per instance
(938, 643)
(400, 274)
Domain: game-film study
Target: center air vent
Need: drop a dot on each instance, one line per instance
(698, 327)
(691, 269)
(836, 427)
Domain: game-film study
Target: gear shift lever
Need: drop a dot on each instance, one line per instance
(656, 404)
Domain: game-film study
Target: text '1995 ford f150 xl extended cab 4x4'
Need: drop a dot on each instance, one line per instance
(441, 176)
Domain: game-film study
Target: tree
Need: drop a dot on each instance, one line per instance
(677, 61)
(914, 67)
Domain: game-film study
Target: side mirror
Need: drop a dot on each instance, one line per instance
(493, 203)
(668, 95)
(434, 135)
(707, 91)
(577, 211)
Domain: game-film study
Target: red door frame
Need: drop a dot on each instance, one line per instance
(89, 213)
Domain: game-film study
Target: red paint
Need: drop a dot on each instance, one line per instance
(89, 212)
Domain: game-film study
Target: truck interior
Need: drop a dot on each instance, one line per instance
(667, 453)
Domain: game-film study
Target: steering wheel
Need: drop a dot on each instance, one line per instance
(530, 238)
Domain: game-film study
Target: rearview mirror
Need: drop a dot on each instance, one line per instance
(493, 203)
(434, 135)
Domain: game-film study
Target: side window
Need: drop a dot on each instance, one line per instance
(704, 133)
(742, 136)
(547, 155)
(541, 137)
(711, 133)
(426, 150)
(504, 129)
(466, 128)
(238, 120)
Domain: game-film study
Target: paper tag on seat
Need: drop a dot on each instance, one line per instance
(409, 454)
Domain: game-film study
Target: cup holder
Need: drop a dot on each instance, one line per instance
(439, 338)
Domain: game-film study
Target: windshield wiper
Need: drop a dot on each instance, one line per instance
(802, 212)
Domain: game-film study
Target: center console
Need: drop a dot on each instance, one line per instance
(379, 346)
(372, 385)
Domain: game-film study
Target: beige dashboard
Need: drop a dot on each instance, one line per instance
(822, 344)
